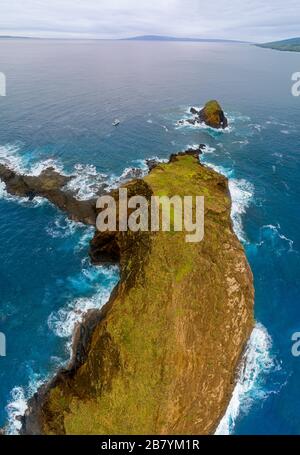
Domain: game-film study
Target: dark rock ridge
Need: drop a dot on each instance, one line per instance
(212, 115)
(49, 185)
(161, 356)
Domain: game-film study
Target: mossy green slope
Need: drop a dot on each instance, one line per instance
(163, 357)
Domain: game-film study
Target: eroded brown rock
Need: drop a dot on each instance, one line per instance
(49, 185)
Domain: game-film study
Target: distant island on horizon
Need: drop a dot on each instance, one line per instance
(134, 38)
(291, 45)
(174, 38)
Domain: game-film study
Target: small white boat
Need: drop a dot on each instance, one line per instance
(116, 122)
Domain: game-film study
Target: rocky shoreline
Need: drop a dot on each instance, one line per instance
(161, 356)
(49, 185)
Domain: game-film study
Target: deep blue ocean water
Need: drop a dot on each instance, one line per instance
(62, 97)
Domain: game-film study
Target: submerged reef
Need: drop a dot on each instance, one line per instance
(161, 356)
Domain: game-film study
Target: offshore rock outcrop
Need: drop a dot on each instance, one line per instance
(211, 115)
(161, 356)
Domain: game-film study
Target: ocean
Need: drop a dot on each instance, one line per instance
(62, 97)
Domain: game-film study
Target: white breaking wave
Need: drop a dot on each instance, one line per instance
(249, 387)
(18, 405)
(86, 184)
(208, 150)
(3, 193)
(61, 227)
(87, 181)
(64, 321)
(10, 156)
(184, 122)
(15, 409)
(241, 192)
(41, 166)
(205, 150)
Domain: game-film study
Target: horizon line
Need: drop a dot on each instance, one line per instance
(129, 38)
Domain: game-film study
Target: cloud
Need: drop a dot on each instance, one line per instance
(251, 20)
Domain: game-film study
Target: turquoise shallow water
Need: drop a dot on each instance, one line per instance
(62, 99)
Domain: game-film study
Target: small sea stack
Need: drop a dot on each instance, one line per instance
(211, 115)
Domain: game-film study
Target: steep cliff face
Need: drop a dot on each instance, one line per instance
(161, 356)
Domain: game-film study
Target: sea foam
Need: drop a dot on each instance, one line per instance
(18, 404)
(64, 321)
(242, 193)
(249, 387)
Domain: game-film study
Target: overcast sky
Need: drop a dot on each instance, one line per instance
(251, 20)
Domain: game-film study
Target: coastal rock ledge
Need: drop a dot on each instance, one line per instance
(161, 357)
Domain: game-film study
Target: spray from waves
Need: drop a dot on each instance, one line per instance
(10, 156)
(206, 150)
(61, 227)
(87, 181)
(15, 409)
(17, 406)
(185, 122)
(250, 383)
(139, 169)
(64, 321)
(142, 163)
(241, 192)
(257, 361)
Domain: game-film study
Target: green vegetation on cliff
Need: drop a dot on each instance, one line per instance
(163, 355)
